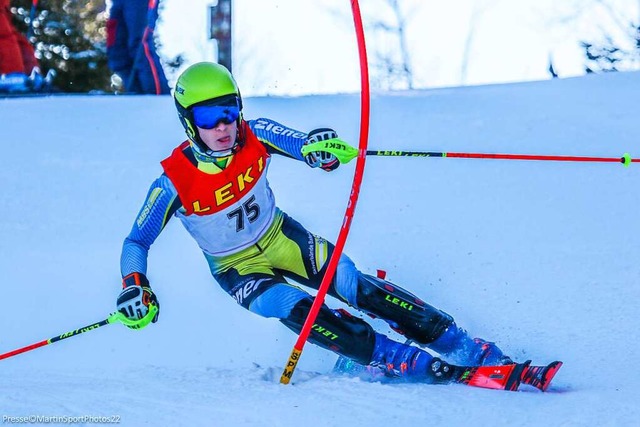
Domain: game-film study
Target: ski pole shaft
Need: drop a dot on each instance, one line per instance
(110, 319)
(625, 159)
(113, 318)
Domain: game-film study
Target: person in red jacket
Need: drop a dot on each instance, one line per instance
(18, 63)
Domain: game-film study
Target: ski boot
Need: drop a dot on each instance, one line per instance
(14, 83)
(409, 363)
(456, 344)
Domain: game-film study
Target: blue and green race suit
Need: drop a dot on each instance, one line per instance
(254, 275)
(253, 265)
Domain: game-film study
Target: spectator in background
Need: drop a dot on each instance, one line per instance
(19, 70)
(130, 46)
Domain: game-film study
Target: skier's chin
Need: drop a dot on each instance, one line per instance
(221, 144)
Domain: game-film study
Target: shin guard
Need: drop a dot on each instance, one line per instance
(335, 330)
(404, 312)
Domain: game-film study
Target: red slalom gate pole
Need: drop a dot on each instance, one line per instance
(353, 199)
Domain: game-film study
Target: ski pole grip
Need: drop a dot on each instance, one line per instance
(134, 324)
(343, 151)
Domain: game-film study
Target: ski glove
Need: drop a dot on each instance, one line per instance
(322, 159)
(136, 297)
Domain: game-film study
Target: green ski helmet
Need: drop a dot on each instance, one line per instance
(205, 83)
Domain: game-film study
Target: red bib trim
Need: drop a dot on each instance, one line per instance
(202, 193)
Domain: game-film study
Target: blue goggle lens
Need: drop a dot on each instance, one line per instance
(208, 116)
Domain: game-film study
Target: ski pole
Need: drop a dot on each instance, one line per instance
(116, 317)
(351, 205)
(32, 17)
(625, 159)
(345, 153)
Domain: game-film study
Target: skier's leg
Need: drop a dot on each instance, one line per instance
(352, 337)
(250, 279)
(334, 330)
(303, 256)
(295, 252)
(404, 312)
(423, 323)
(267, 294)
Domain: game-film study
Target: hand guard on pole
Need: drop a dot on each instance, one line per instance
(322, 159)
(136, 301)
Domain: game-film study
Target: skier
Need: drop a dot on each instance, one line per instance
(216, 183)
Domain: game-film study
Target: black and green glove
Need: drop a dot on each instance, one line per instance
(136, 301)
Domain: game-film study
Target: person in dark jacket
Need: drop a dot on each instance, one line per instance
(131, 50)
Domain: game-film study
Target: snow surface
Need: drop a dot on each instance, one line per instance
(541, 257)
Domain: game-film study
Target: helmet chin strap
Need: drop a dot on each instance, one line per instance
(205, 154)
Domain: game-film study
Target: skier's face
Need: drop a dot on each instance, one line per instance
(221, 137)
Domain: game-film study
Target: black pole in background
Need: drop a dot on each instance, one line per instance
(220, 30)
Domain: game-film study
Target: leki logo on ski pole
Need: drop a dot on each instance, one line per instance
(79, 331)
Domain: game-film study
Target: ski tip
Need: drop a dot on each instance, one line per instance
(540, 376)
(550, 372)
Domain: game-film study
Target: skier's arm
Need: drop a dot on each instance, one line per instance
(160, 204)
(279, 139)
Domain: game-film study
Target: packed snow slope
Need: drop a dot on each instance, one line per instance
(541, 257)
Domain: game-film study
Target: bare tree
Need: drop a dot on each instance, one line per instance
(479, 8)
(617, 47)
(391, 67)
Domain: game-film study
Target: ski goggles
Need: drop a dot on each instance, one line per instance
(209, 114)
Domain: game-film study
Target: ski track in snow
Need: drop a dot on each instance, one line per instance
(542, 257)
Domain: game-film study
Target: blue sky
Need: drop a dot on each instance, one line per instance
(293, 47)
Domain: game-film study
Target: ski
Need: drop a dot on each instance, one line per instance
(502, 377)
(540, 376)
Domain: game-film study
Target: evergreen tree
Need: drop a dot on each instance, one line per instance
(69, 36)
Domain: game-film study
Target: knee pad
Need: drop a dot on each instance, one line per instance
(335, 330)
(277, 301)
(405, 313)
(345, 281)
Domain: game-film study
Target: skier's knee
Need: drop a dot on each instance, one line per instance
(277, 301)
(404, 312)
(346, 280)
